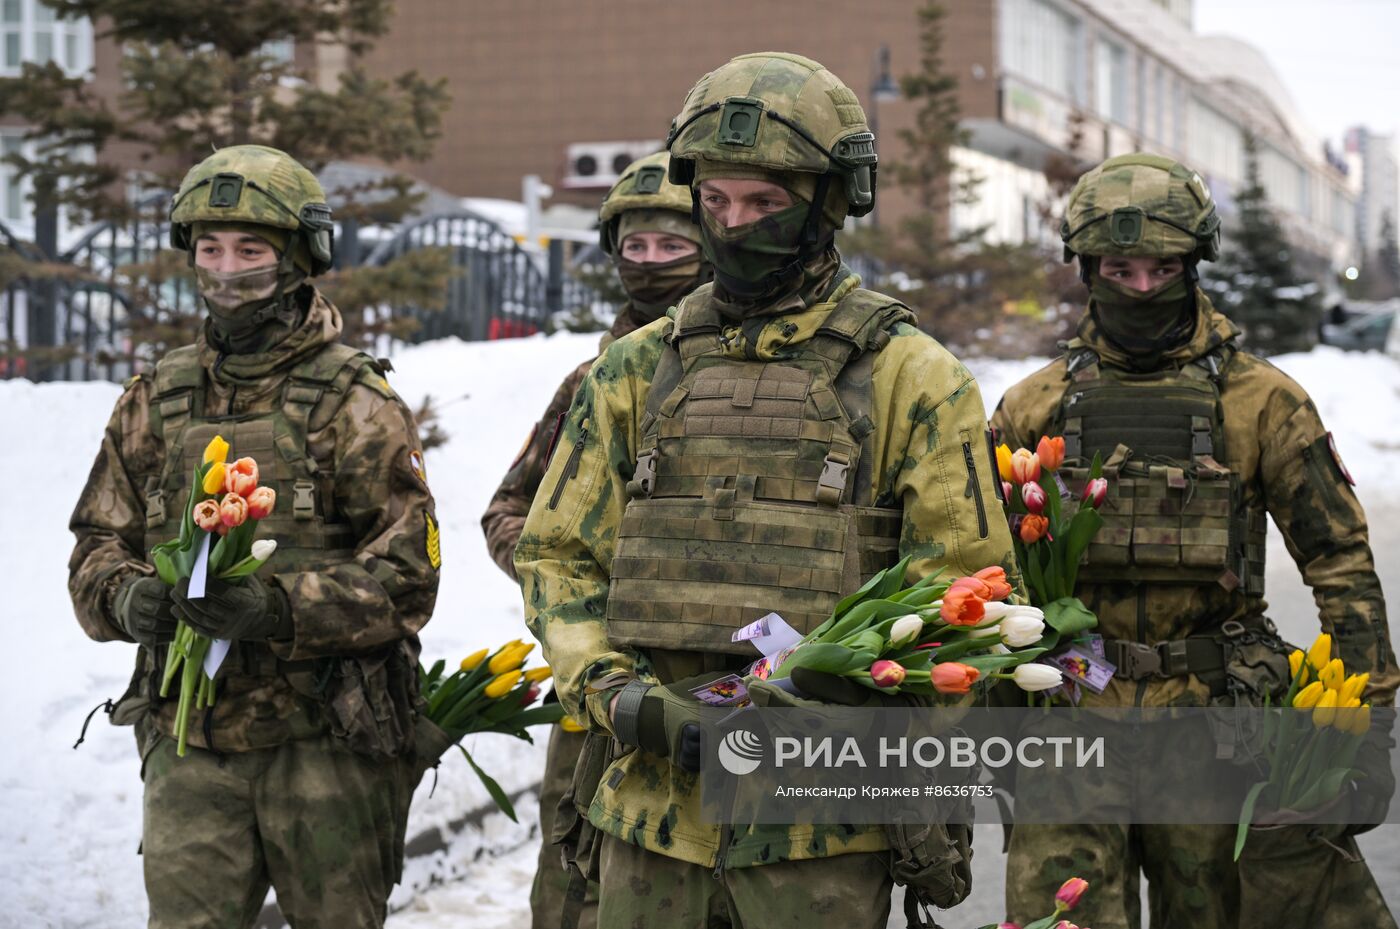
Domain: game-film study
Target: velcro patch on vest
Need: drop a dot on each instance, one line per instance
(433, 544)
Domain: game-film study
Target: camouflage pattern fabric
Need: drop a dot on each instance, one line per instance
(378, 596)
(283, 188)
(322, 825)
(1312, 876)
(551, 885)
(927, 411)
(643, 890)
(1141, 205)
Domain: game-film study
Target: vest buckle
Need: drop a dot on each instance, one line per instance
(832, 483)
(644, 477)
(155, 509)
(304, 500)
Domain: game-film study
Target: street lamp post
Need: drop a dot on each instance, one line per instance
(882, 89)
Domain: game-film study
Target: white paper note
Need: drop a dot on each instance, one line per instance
(218, 650)
(769, 634)
(200, 575)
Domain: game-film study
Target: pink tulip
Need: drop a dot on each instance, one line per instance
(531, 694)
(1033, 496)
(1095, 492)
(233, 510)
(241, 477)
(206, 515)
(1070, 891)
(1025, 467)
(887, 673)
(261, 501)
(1006, 490)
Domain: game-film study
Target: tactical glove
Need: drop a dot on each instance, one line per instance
(142, 608)
(666, 720)
(249, 610)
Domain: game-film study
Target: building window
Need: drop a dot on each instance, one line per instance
(1214, 143)
(1039, 42)
(1110, 81)
(1159, 106)
(32, 32)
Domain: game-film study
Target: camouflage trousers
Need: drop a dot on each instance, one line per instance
(1308, 875)
(551, 885)
(641, 890)
(320, 824)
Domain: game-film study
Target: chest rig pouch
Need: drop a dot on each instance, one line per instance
(752, 487)
(1175, 512)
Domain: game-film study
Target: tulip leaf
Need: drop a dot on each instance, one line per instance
(1083, 526)
(825, 656)
(986, 664)
(491, 786)
(1246, 815)
(920, 586)
(165, 567)
(1069, 616)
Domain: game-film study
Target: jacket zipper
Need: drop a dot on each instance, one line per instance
(726, 833)
(570, 469)
(974, 489)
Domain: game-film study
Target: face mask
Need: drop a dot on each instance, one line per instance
(655, 287)
(1142, 320)
(240, 302)
(758, 259)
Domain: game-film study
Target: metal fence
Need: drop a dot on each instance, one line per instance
(72, 316)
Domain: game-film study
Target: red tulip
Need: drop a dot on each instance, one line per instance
(1095, 492)
(951, 677)
(261, 501)
(1034, 528)
(241, 477)
(961, 607)
(1051, 452)
(1070, 891)
(887, 673)
(531, 694)
(1033, 496)
(233, 510)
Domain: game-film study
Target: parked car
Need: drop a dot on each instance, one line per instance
(1363, 333)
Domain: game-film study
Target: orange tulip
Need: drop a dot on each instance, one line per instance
(1025, 466)
(1033, 528)
(1051, 451)
(261, 501)
(233, 510)
(951, 677)
(979, 588)
(241, 477)
(995, 578)
(961, 607)
(206, 515)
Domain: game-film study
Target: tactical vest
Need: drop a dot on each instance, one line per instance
(1175, 512)
(309, 531)
(752, 487)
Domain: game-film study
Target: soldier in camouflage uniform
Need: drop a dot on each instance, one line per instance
(782, 435)
(644, 224)
(299, 775)
(1200, 439)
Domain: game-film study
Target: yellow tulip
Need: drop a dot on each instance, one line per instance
(1332, 674)
(568, 725)
(216, 450)
(1307, 698)
(1004, 462)
(1355, 685)
(1321, 652)
(503, 684)
(1359, 720)
(1326, 709)
(1297, 662)
(538, 675)
(470, 662)
(509, 659)
(214, 480)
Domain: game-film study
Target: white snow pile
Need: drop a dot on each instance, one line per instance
(72, 819)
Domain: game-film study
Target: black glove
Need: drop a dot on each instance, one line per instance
(1371, 801)
(248, 610)
(666, 720)
(142, 608)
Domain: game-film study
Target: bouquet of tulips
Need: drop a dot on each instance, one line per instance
(225, 504)
(1050, 542)
(1066, 899)
(489, 692)
(1311, 751)
(935, 636)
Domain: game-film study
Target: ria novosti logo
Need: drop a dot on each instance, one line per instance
(740, 752)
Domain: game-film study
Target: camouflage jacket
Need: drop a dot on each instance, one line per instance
(505, 515)
(381, 596)
(1269, 425)
(925, 406)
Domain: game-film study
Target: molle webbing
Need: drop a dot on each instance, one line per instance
(750, 493)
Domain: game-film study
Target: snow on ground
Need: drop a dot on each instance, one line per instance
(72, 819)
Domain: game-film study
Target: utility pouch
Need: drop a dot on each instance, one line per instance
(932, 860)
(371, 703)
(1256, 673)
(579, 842)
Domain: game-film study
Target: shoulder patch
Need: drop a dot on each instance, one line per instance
(132, 381)
(415, 464)
(1337, 457)
(433, 542)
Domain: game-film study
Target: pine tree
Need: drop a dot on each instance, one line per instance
(200, 75)
(966, 292)
(1258, 283)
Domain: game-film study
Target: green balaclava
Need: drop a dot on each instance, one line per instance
(769, 258)
(654, 287)
(1145, 324)
(251, 310)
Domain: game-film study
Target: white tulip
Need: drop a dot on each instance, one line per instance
(1035, 677)
(905, 630)
(263, 549)
(1022, 629)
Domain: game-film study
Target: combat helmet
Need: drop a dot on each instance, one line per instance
(1141, 205)
(644, 185)
(260, 185)
(778, 112)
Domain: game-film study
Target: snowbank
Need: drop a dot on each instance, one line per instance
(72, 820)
